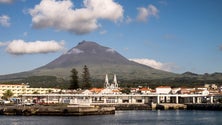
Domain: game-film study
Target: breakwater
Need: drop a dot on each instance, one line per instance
(71, 110)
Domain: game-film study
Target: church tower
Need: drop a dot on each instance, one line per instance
(115, 81)
(106, 85)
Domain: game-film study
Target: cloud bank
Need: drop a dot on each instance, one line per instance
(20, 47)
(145, 13)
(155, 64)
(62, 15)
(4, 20)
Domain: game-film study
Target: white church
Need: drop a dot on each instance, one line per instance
(109, 88)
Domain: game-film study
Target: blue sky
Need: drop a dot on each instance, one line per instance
(171, 35)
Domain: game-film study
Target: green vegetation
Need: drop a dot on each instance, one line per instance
(184, 80)
(7, 94)
(86, 78)
(45, 82)
(126, 90)
(74, 79)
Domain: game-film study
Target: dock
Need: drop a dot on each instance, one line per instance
(69, 110)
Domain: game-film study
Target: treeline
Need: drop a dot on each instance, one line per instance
(178, 82)
(53, 82)
(84, 81)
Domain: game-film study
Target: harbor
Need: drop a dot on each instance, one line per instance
(98, 101)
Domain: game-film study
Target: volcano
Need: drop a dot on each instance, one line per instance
(99, 59)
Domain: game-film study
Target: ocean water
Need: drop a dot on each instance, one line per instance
(145, 117)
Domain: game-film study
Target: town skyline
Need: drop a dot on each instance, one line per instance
(175, 36)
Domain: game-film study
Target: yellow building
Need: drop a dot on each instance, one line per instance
(19, 89)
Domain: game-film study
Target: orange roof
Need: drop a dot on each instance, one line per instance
(145, 89)
(96, 90)
(115, 90)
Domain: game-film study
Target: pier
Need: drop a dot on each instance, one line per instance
(56, 110)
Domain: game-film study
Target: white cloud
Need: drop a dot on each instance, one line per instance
(110, 50)
(103, 32)
(20, 47)
(6, 1)
(128, 20)
(145, 13)
(155, 64)
(75, 51)
(4, 20)
(62, 15)
(3, 44)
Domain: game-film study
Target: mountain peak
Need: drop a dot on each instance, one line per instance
(87, 43)
(89, 47)
(87, 52)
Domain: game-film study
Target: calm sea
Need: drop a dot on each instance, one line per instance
(160, 117)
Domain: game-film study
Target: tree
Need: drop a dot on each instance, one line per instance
(74, 79)
(86, 78)
(7, 94)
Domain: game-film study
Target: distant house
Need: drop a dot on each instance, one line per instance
(187, 91)
(134, 90)
(163, 89)
(145, 90)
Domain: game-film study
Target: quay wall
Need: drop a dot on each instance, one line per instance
(127, 106)
(169, 106)
(56, 110)
(204, 106)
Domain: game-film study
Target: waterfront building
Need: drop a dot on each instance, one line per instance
(16, 89)
(163, 89)
(202, 90)
(19, 89)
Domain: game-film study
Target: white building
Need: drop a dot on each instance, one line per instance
(163, 89)
(19, 89)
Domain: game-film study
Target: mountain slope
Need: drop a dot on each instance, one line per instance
(99, 59)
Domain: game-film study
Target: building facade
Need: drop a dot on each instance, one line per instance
(19, 89)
